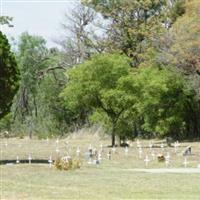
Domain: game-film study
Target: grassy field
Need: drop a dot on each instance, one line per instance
(112, 179)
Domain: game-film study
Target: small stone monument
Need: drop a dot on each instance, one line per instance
(169, 141)
(187, 151)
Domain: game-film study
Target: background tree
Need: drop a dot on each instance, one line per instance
(134, 25)
(180, 49)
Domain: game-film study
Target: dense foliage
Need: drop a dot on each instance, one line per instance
(140, 77)
(8, 75)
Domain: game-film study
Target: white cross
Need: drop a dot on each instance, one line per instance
(57, 150)
(17, 160)
(167, 162)
(168, 156)
(113, 149)
(150, 145)
(176, 145)
(185, 163)
(6, 144)
(50, 161)
(146, 160)
(99, 156)
(153, 155)
(57, 141)
(101, 147)
(78, 151)
(140, 152)
(109, 155)
(29, 159)
(126, 151)
(162, 146)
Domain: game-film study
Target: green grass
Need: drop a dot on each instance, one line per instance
(110, 180)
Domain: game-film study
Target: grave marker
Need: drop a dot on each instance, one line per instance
(50, 161)
(146, 160)
(17, 160)
(185, 163)
(29, 158)
(126, 151)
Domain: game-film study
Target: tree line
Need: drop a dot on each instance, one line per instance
(131, 67)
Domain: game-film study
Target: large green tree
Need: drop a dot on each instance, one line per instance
(9, 75)
(93, 89)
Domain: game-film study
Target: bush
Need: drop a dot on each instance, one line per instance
(67, 163)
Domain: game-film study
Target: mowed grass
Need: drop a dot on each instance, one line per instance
(112, 179)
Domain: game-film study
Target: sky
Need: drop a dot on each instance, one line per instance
(38, 17)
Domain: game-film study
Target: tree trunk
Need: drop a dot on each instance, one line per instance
(113, 139)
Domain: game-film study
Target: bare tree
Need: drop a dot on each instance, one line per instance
(82, 37)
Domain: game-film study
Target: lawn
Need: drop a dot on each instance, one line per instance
(112, 179)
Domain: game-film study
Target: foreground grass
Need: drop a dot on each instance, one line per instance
(41, 182)
(110, 180)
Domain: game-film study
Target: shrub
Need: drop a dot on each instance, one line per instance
(67, 163)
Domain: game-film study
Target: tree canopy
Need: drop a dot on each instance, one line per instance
(9, 75)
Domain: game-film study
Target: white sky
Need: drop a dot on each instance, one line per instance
(40, 17)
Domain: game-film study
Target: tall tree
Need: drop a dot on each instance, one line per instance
(180, 48)
(93, 88)
(9, 75)
(134, 25)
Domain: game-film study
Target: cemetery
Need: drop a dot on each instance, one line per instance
(145, 169)
(99, 99)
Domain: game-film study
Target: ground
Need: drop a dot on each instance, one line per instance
(122, 177)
